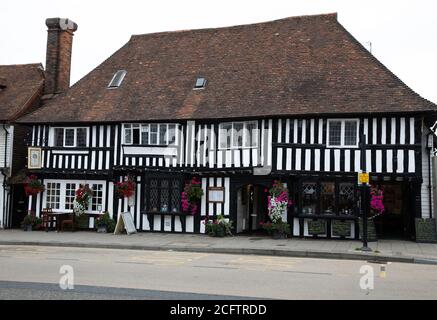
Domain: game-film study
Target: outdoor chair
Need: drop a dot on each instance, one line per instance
(48, 219)
(69, 220)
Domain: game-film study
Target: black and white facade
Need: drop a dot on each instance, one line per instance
(318, 158)
(238, 108)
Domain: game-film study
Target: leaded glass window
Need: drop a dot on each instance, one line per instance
(309, 198)
(163, 195)
(327, 197)
(346, 198)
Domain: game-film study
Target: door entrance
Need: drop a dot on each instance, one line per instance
(397, 221)
(19, 210)
(251, 208)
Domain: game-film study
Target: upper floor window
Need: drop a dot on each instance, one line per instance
(150, 134)
(238, 135)
(70, 137)
(342, 133)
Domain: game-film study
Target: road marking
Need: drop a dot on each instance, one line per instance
(212, 267)
(306, 272)
(132, 262)
(66, 259)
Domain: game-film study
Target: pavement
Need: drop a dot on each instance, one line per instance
(382, 250)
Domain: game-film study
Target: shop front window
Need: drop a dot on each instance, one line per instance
(163, 195)
(327, 197)
(309, 198)
(346, 198)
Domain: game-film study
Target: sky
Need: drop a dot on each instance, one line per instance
(403, 34)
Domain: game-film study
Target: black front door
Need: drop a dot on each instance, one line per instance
(395, 222)
(19, 210)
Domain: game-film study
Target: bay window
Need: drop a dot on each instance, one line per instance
(342, 133)
(235, 135)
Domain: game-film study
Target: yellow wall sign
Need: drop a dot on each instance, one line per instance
(363, 178)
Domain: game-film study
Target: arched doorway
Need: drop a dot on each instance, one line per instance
(251, 208)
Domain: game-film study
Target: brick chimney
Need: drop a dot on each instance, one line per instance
(58, 57)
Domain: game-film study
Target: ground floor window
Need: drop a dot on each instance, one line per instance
(163, 194)
(60, 195)
(327, 197)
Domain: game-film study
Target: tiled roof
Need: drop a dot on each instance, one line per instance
(18, 86)
(293, 66)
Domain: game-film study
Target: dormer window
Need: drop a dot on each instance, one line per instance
(117, 79)
(200, 83)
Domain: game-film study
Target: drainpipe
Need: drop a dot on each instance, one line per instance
(5, 177)
(429, 174)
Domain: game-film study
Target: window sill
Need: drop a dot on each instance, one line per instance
(326, 216)
(167, 213)
(342, 147)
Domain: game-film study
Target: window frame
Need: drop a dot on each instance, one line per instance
(112, 85)
(63, 194)
(245, 132)
(146, 204)
(142, 126)
(342, 132)
(354, 210)
(53, 137)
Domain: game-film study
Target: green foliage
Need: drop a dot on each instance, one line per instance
(106, 220)
(31, 220)
(279, 226)
(219, 227)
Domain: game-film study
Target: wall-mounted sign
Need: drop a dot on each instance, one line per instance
(216, 194)
(363, 177)
(34, 160)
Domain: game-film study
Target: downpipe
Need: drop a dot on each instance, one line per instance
(429, 177)
(5, 176)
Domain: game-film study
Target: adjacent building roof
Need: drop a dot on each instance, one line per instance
(293, 66)
(19, 86)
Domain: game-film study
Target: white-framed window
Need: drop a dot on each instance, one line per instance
(342, 133)
(235, 135)
(162, 134)
(53, 195)
(59, 195)
(70, 137)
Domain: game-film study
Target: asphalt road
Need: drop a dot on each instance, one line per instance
(35, 273)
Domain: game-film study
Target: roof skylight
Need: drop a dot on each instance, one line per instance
(117, 79)
(200, 83)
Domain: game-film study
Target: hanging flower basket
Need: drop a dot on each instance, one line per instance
(376, 201)
(191, 196)
(34, 186)
(278, 201)
(125, 189)
(82, 199)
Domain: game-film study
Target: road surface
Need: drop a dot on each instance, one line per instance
(35, 273)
